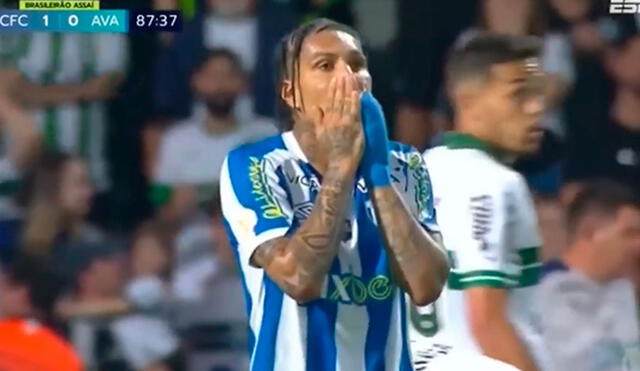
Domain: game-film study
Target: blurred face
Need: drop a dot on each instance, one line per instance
(323, 56)
(231, 7)
(624, 64)
(148, 256)
(219, 83)
(76, 189)
(619, 241)
(572, 10)
(510, 104)
(104, 278)
(14, 299)
(511, 17)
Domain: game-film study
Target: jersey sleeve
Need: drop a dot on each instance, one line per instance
(479, 238)
(111, 52)
(526, 236)
(255, 205)
(410, 177)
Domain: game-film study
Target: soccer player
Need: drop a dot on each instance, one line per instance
(331, 222)
(485, 210)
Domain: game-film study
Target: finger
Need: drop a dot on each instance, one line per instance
(348, 89)
(331, 94)
(338, 100)
(317, 115)
(355, 104)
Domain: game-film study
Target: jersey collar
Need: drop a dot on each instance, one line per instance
(292, 145)
(454, 140)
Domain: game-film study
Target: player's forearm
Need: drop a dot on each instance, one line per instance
(316, 243)
(417, 259)
(305, 258)
(498, 339)
(45, 96)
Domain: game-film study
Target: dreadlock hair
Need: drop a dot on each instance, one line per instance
(288, 62)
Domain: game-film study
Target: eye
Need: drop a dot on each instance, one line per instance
(324, 66)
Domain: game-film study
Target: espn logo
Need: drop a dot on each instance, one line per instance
(624, 7)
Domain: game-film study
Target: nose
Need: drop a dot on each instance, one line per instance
(343, 67)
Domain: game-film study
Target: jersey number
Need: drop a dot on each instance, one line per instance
(425, 319)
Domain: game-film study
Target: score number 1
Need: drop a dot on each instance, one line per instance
(72, 20)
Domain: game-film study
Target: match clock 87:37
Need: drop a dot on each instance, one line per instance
(165, 21)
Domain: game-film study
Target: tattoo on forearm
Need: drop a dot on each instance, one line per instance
(411, 249)
(316, 243)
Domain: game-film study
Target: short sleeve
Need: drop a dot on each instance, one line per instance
(410, 177)
(169, 160)
(112, 52)
(479, 236)
(255, 206)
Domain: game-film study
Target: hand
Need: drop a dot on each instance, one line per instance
(338, 125)
(9, 78)
(375, 162)
(101, 87)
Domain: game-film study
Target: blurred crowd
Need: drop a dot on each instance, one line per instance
(111, 147)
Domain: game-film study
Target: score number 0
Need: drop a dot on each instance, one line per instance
(72, 20)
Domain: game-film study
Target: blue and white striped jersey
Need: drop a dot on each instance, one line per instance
(268, 189)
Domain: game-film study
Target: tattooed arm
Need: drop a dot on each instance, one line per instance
(417, 260)
(299, 264)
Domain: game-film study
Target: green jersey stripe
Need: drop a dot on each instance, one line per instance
(529, 255)
(460, 281)
(530, 266)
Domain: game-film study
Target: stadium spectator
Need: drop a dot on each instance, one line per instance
(250, 28)
(428, 28)
(20, 145)
(56, 197)
(612, 121)
(111, 322)
(29, 290)
(66, 77)
(208, 308)
(192, 152)
(588, 307)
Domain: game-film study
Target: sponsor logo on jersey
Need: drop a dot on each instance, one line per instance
(305, 180)
(624, 7)
(303, 210)
(351, 289)
(262, 193)
(481, 215)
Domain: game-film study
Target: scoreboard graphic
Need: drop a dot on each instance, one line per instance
(85, 17)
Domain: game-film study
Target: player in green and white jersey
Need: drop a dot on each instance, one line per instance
(486, 213)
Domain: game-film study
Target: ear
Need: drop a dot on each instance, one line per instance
(286, 93)
(463, 95)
